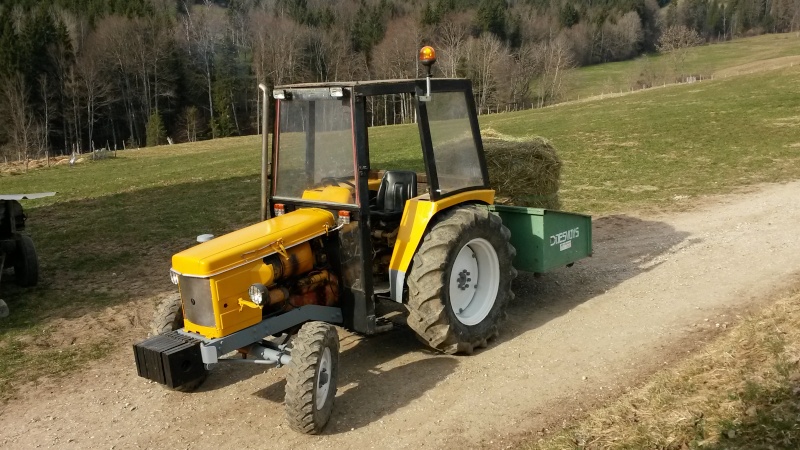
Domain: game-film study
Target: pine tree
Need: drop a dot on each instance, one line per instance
(430, 15)
(370, 28)
(491, 17)
(156, 134)
(568, 16)
(9, 46)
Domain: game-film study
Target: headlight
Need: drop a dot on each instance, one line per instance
(173, 276)
(257, 292)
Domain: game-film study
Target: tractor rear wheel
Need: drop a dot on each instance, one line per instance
(26, 263)
(313, 373)
(169, 317)
(460, 281)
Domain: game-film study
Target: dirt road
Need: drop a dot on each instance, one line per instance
(654, 289)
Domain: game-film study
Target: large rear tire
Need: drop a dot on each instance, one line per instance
(313, 374)
(26, 263)
(169, 317)
(460, 281)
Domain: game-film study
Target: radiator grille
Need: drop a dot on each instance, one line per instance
(196, 296)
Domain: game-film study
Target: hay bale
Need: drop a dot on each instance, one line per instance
(524, 171)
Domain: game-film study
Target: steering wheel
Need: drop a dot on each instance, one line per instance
(334, 181)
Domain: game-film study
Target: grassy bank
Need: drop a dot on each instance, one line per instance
(740, 392)
(719, 60)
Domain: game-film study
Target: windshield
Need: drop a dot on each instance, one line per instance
(315, 146)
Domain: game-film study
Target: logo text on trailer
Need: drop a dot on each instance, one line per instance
(564, 239)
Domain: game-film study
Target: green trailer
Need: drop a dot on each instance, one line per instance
(544, 238)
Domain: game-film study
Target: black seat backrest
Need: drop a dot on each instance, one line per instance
(397, 186)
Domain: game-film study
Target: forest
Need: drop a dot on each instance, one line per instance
(80, 75)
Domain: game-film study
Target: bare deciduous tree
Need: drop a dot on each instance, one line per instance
(20, 121)
(330, 55)
(483, 57)
(277, 48)
(517, 77)
(396, 57)
(621, 39)
(451, 40)
(676, 41)
(190, 124)
(202, 29)
(94, 88)
(553, 59)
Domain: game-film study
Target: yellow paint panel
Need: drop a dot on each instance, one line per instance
(208, 332)
(417, 215)
(333, 194)
(226, 289)
(233, 321)
(252, 243)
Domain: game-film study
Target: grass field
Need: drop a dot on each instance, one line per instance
(717, 60)
(105, 240)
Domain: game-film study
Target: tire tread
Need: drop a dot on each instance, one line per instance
(307, 348)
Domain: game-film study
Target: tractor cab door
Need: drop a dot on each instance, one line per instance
(315, 166)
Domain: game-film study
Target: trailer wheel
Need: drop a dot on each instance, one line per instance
(169, 317)
(26, 263)
(313, 373)
(460, 281)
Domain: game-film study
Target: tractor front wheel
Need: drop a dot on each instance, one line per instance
(313, 373)
(169, 317)
(460, 280)
(26, 263)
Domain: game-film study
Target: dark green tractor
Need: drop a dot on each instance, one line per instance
(16, 246)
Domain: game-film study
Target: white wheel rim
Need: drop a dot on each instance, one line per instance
(474, 281)
(323, 381)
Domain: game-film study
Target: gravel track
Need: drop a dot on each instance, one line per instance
(655, 289)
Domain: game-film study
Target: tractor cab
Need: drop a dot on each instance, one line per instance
(323, 158)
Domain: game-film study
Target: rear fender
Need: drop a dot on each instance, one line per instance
(419, 213)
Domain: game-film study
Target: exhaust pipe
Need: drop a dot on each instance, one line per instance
(264, 151)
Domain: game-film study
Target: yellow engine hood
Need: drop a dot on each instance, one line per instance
(254, 242)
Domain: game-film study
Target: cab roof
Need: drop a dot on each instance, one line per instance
(385, 87)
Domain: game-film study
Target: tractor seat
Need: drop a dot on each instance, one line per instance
(397, 187)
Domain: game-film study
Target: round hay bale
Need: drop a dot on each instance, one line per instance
(523, 171)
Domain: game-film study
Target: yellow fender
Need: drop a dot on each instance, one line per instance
(417, 215)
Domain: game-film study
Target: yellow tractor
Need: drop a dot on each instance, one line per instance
(345, 236)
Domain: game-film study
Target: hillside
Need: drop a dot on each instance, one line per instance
(735, 57)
